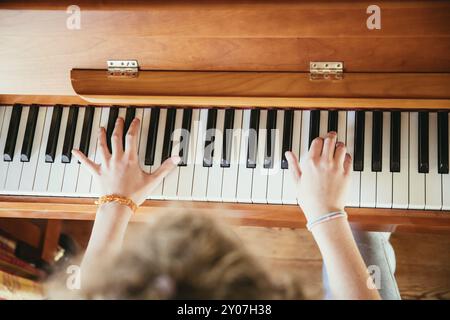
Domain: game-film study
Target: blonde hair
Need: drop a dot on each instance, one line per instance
(180, 255)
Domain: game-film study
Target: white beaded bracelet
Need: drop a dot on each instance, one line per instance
(327, 217)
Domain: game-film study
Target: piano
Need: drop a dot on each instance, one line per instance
(391, 108)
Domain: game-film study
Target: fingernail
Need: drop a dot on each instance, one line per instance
(176, 159)
(332, 133)
(339, 144)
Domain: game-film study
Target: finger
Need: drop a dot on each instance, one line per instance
(316, 148)
(92, 167)
(164, 169)
(131, 139)
(294, 167)
(339, 155)
(116, 138)
(329, 145)
(347, 164)
(103, 146)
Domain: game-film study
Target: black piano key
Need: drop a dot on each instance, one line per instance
(151, 137)
(227, 138)
(209, 138)
(53, 134)
(287, 136)
(333, 121)
(314, 125)
(113, 114)
(358, 162)
(395, 147)
(185, 133)
(423, 163)
(253, 139)
(168, 131)
(86, 131)
(443, 166)
(270, 138)
(377, 141)
(13, 129)
(129, 116)
(30, 129)
(69, 136)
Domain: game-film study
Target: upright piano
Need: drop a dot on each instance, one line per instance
(288, 70)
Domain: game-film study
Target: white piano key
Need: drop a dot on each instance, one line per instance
(323, 128)
(187, 172)
(57, 169)
(230, 175)
(72, 169)
(145, 123)
(157, 192)
(15, 166)
(139, 114)
(384, 178)
(259, 184)
(95, 188)
(400, 180)
(43, 168)
(433, 180)
(170, 184)
(368, 177)
(355, 176)
(304, 142)
(446, 184)
(200, 172)
(289, 186)
(84, 176)
(275, 178)
(2, 113)
(122, 113)
(29, 168)
(4, 132)
(416, 179)
(215, 173)
(342, 126)
(245, 175)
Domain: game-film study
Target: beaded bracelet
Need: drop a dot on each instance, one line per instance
(325, 218)
(119, 199)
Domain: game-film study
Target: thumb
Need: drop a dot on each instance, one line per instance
(347, 164)
(294, 167)
(164, 169)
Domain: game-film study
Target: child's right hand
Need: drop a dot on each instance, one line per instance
(322, 177)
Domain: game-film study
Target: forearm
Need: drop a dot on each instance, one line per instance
(107, 235)
(347, 272)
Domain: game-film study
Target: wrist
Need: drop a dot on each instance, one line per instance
(331, 228)
(318, 211)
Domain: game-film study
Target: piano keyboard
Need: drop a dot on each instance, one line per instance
(400, 159)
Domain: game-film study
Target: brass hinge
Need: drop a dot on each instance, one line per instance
(326, 70)
(123, 68)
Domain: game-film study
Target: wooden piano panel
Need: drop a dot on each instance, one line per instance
(38, 51)
(286, 216)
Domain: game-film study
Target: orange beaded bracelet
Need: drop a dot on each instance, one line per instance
(119, 199)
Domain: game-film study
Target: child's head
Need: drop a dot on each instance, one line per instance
(181, 255)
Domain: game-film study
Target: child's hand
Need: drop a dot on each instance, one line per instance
(323, 176)
(119, 173)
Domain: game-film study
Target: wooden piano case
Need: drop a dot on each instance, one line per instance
(228, 53)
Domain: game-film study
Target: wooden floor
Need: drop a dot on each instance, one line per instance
(423, 260)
